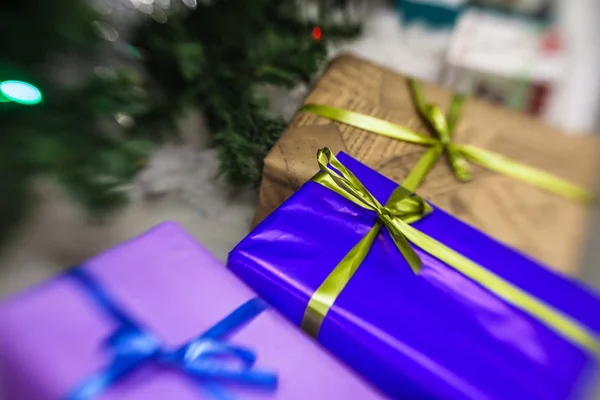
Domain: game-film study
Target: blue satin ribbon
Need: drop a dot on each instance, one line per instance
(205, 358)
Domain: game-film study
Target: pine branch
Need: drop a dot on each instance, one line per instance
(211, 58)
(216, 55)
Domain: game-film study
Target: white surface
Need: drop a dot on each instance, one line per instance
(413, 50)
(501, 46)
(179, 186)
(577, 106)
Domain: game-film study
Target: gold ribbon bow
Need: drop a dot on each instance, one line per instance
(396, 215)
(457, 154)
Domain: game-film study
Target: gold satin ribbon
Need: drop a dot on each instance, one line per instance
(457, 154)
(396, 215)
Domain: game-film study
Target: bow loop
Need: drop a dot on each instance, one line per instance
(345, 180)
(207, 348)
(410, 209)
(133, 342)
(214, 359)
(434, 115)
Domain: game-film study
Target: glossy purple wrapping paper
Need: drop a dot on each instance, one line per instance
(435, 335)
(51, 335)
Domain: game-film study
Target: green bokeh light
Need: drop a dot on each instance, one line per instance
(21, 92)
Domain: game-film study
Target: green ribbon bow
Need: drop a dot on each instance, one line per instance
(457, 154)
(399, 211)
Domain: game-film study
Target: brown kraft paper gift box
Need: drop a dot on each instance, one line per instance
(541, 224)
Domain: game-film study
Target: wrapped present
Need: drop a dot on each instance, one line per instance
(418, 302)
(159, 318)
(513, 211)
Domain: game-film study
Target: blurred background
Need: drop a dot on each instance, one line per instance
(119, 114)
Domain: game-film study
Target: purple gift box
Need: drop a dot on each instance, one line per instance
(51, 335)
(437, 334)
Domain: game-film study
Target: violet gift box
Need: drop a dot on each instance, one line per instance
(435, 335)
(51, 335)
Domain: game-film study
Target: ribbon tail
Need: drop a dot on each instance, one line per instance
(368, 123)
(401, 242)
(241, 316)
(421, 169)
(322, 300)
(96, 384)
(416, 93)
(453, 114)
(533, 176)
(458, 163)
(91, 388)
(553, 318)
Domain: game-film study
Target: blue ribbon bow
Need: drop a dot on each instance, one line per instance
(203, 358)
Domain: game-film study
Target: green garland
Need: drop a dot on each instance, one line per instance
(215, 57)
(62, 138)
(212, 57)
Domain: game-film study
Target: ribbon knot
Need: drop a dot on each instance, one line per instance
(131, 346)
(402, 207)
(208, 358)
(383, 213)
(436, 119)
(443, 127)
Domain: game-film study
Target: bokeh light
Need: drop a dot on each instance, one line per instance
(316, 33)
(21, 92)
